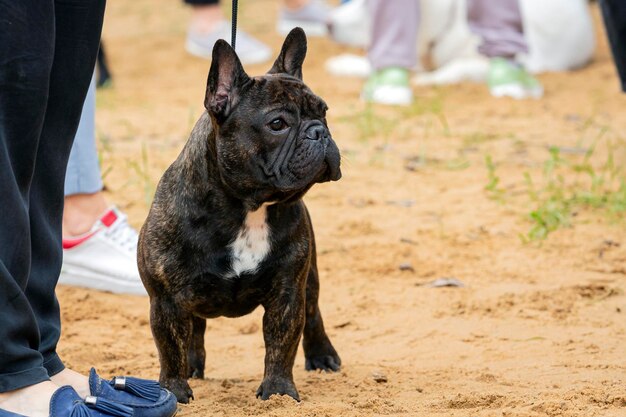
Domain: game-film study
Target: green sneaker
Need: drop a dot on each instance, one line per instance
(508, 79)
(388, 86)
(533, 87)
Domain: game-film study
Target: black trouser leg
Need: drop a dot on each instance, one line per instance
(614, 14)
(47, 56)
(78, 28)
(26, 55)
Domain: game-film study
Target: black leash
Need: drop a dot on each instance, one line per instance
(234, 27)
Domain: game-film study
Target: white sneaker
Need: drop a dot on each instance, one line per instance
(249, 50)
(312, 18)
(105, 258)
(349, 65)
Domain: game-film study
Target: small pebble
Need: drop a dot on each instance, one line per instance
(446, 282)
(379, 377)
(406, 267)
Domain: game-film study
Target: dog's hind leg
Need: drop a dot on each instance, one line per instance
(171, 329)
(196, 355)
(318, 351)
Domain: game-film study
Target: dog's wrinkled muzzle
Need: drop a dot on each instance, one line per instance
(308, 155)
(316, 131)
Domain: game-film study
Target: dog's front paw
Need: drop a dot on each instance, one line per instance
(180, 388)
(280, 386)
(322, 357)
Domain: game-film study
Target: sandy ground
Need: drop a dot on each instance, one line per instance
(539, 329)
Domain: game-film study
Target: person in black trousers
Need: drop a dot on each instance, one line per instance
(47, 55)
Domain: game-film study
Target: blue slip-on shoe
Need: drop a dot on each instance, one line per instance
(65, 402)
(144, 396)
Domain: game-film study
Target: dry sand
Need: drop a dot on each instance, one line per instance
(538, 329)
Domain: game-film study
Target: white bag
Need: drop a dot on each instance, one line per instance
(559, 34)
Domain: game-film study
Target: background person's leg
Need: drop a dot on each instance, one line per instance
(499, 25)
(394, 33)
(83, 168)
(26, 55)
(393, 50)
(78, 26)
(104, 261)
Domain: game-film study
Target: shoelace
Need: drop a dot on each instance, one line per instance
(123, 234)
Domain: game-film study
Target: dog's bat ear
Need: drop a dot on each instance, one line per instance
(291, 55)
(226, 77)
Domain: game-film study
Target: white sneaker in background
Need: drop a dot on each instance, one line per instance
(312, 18)
(349, 65)
(250, 51)
(105, 258)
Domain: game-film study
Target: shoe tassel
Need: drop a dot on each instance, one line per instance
(100, 404)
(144, 388)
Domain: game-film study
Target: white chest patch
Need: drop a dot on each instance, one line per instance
(252, 243)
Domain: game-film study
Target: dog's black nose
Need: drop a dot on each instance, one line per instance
(317, 132)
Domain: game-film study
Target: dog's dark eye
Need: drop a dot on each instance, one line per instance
(277, 125)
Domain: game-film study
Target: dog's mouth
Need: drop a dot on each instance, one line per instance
(333, 164)
(290, 182)
(279, 187)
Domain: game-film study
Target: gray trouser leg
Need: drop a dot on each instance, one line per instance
(499, 24)
(394, 33)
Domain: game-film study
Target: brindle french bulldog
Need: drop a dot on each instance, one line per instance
(228, 230)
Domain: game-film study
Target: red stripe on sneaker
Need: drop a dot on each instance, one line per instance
(109, 218)
(70, 243)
